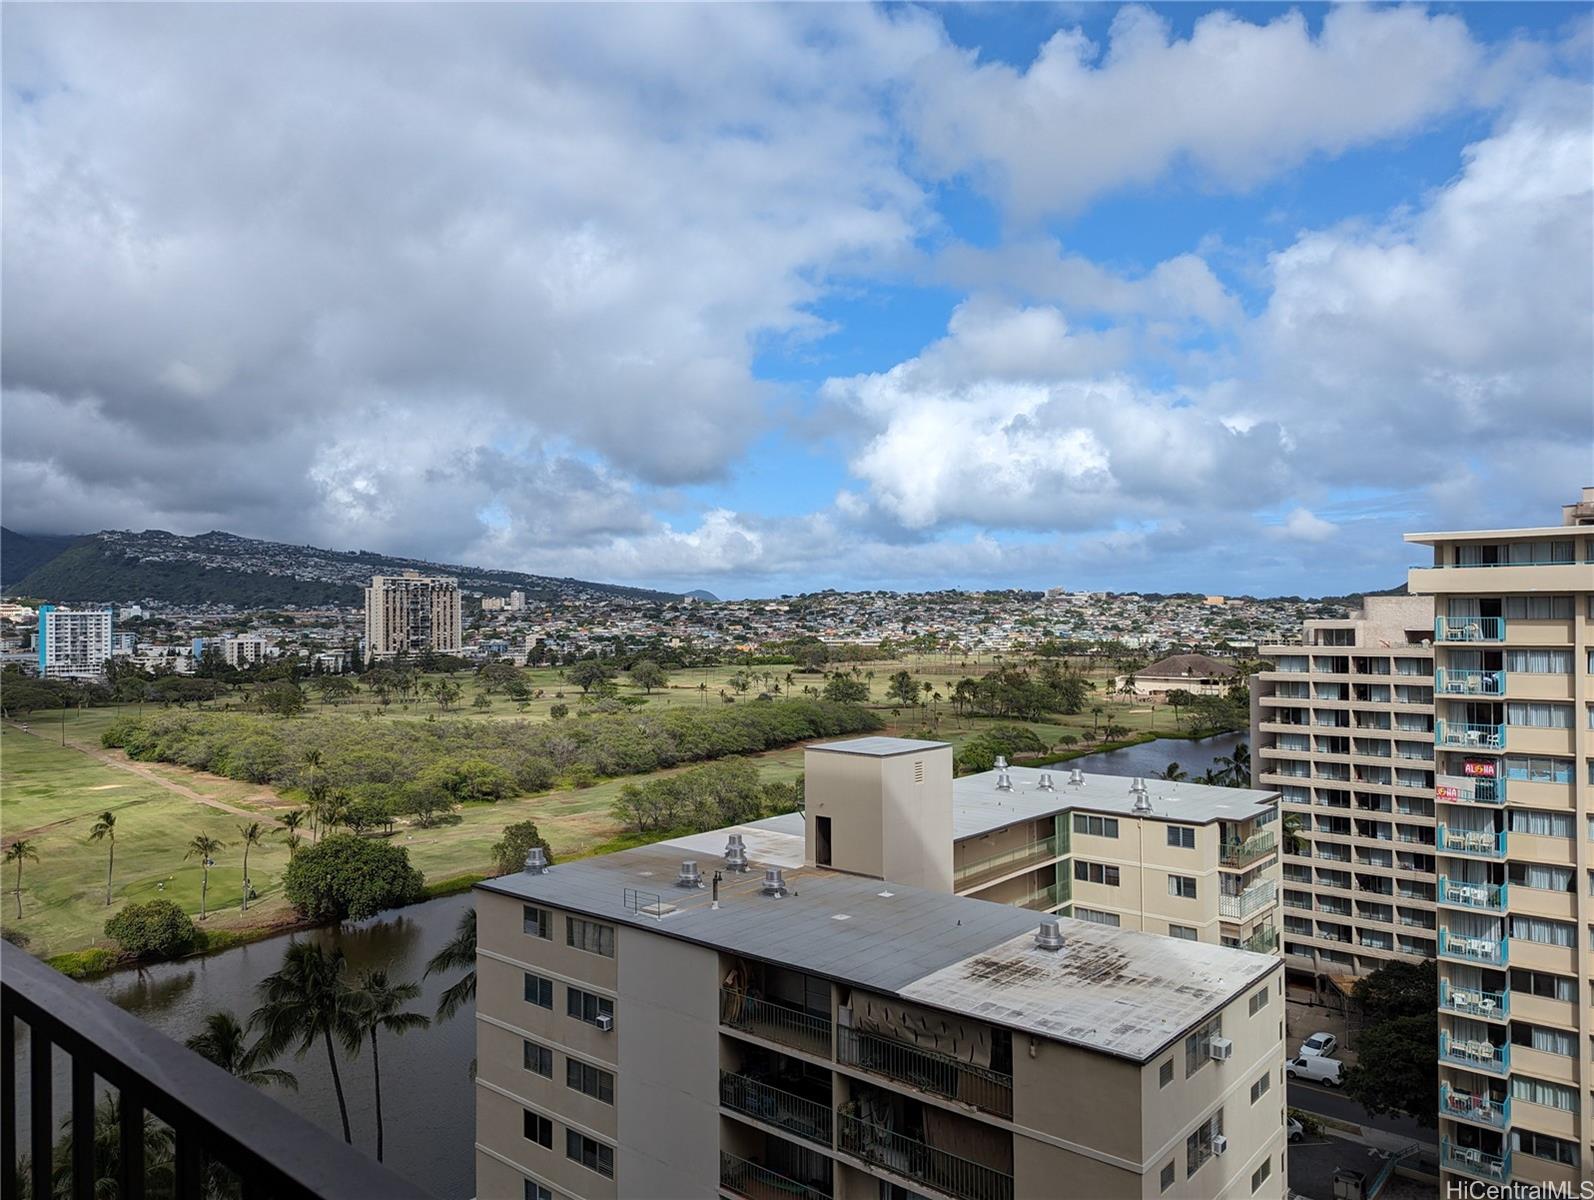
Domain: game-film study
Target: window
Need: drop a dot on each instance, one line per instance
(1541, 1145)
(586, 1006)
(539, 991)
(1182, 886)
(1531, 769)
(1090, 872)
(1182, 836)
(537, 1059)
(1542, 983)
(1260, 1175)
(1165, 1074)
(1542, 1037)
(1095, 826)
(1538, 608)
(1198, 1146)
(537, 1129)
(1538, 716)
(1096, 916)
(1539, 662)
(536, 922)
(1540, 1091)
(589, 1080)
(1197, 1045)
(1539, 876)
(1167, 1176)
(589, 936)
(1187, 933)
(1544, 931)
(1540, 822)
(591, 1154)
(535, 1191)
(1260, 1087)
(1258, 1002)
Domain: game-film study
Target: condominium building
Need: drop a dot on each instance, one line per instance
(1514, 735)
(74, 643)
(412, 614)
(726, 1014)
(244, 651)
(1342, 727)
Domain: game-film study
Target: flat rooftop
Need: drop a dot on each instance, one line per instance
(979, 807)
(1494, 535)
(1114, 991)
(879, 747)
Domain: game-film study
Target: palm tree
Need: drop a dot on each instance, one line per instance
(378, 1004)
(291, 821)
(105, 828)
(1173, 772)
(459, 952)
(1236, 767)
(305, 999)
(205, 846)
(222, 1041)
(18, 852)
(1292, 826)
(253, 834)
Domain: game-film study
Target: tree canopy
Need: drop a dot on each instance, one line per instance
(347, 877)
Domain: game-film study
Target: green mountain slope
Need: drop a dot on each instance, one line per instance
(23, 553)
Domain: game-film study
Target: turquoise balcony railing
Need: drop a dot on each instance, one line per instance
(1471, 1161)
(1475, 843)
(1478, 1108)
(1452, 681)
(1474, 1002)
(1466, 735)
(1487, 897)
(1493, 952)
(1479, 1055)
(1469, 629)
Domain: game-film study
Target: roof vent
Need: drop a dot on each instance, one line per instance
(1076, 778)
(1001, 762)
(1049, 936)
(774, 882)
(689, 877)
(1004, 781)
(735, 853)
(536, 861)
(1142, 797)
(1046, 784)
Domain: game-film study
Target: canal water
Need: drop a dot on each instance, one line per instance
(427, 1094)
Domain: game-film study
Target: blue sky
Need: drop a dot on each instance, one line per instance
(766, 298)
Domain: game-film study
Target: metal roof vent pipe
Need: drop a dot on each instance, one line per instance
(689, 877)
(1076, 778)
(1001, 762)
(1049, 936)
(536, 861)
(1046, 784)
(774, 882)
(1004, 781)
(735, 853)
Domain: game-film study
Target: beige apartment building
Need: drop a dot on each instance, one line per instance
(1514, 735)
(1342, 727)
(731, 1014)
(412, 614)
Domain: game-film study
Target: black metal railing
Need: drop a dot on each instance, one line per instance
(221, 1127)
(797, 1114)
(927, 1070)
(757, 1182)
(780, 1023)
(913, 1159)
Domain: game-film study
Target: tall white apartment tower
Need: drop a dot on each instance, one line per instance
(1514, 739)
(74, 643)
(412, 614)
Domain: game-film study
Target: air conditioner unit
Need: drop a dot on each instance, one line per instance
(604, 1022)
(1220, 1145)
(1220, 1049)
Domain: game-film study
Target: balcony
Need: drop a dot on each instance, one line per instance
(217, 1120)
(913, 1159)
(983, 870)
(793, 1027)
(1041, 899)
(1492, 952)
(1263, 941)
(1469, 789)
(1485, 897)
(785, 1110)
(1478, 1108)
(1466, 735)
(1451, 682)
(1469, 1160)
(1475, 1055)
(1255, 898)
(1474, 1002)
(927, 1070)
(1243, 853)
(1469, 629)
(1474, 843)
(743, 1178)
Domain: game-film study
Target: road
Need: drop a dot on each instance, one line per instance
(1331, 1103)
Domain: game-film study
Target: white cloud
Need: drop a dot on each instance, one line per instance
(1303, 525)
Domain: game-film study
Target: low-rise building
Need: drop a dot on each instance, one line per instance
(1198, 674)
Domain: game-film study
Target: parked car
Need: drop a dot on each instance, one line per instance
(1321, 1045)
(1293, 1129)
(1316, 1069)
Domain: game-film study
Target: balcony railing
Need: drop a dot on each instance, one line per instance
(1475, 843)
(1469, 789)
(1243, 853)
(1481, 1055)
(217, 1120)
(1487, 897)
(792, 1027)
(796, 1114)
(943, 1171)
(1040, 898)
(1472, 1161)
(1263, 941)
(1453, 682)
(1467, 735)
(743, 1178)
(995, 865)
(1256, 897)
(928, 1070)
(1492, 952)
(1474, 1002)
(1480, 1109)
(1469, 629)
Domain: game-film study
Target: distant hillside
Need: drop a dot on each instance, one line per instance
(21, 554)
(222, 568)
(700, 594)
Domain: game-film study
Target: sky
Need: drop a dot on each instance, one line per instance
(764, 298)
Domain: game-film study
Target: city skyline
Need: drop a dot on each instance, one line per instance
(731, 288)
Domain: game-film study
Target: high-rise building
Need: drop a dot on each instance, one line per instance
(412, 614)
(1342, 727)
(517, 601)
(1514, 735)
(725, 1014)
(74, 643)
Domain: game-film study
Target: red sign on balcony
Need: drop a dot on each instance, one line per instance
(1447, 793)
(1482, 767)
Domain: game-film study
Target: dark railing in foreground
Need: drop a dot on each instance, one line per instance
(916, 1160)
(928, 1070)
(756, 1182)
(217, 1121)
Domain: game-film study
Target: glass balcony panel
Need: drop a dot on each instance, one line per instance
(996, 865)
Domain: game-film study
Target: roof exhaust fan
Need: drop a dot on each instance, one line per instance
(1049, 936)
(1004, 781)
(774, 882)
(689, 877)
(536, 861)
(1076, 778)
(1001, 762)
(1046, 784)
(735, 853)
(1142, 804)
